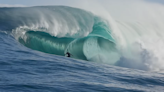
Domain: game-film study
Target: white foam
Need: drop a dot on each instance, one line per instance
(137, 26)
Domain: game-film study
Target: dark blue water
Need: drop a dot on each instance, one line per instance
(26, 70)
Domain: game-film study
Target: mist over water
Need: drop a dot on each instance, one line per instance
(137, 27)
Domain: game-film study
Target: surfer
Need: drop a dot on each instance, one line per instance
(68, 54)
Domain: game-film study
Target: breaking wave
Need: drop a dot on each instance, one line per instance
(122, 41)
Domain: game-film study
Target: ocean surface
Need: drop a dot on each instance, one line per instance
(34, 41)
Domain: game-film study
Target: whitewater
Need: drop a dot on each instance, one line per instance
(114, 47)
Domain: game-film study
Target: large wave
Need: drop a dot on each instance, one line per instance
(61, 29)
(128, 34)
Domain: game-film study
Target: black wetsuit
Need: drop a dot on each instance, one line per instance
(69, 55)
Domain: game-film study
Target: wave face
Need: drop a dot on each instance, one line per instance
(61, 29)
(121, 35)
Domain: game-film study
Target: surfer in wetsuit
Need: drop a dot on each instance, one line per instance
(68, 54)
